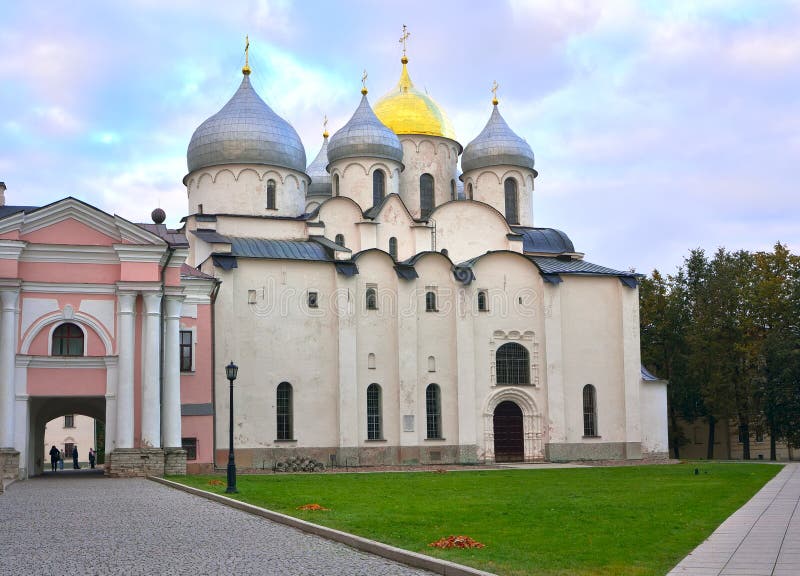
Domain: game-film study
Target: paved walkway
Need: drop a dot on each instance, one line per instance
(761, 539)
(79, 522)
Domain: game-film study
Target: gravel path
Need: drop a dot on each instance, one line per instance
(76, 523)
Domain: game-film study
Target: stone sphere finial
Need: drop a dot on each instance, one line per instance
(158, 215)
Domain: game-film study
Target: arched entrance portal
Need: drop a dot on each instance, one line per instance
(509, 444)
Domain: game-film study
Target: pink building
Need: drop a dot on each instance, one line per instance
(102, 317)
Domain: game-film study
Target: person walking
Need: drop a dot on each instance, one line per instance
(75, 458)
(91, 457)
(60, 460)
(55, 455)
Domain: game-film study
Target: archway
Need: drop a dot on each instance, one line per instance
(509, 442)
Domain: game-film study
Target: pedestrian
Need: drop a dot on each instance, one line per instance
(55, 455)
(91, 457)
(60, 460)
(75, 458)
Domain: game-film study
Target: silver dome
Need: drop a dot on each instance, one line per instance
(246, 131)
(320, 179)
(496, 145)
(365, 135)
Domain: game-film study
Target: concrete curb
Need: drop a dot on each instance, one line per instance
(412, 559)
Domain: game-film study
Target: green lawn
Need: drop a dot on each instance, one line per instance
(630, 520)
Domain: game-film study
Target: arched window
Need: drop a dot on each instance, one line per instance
(283, 402)
(371, 361)
(378, 187)
(335, 184)
(431, 364)
(482, 303)
(374, 424)
(393, 247)
(512, 201)
(271, 194)
(433, 411)
(513, 364)
(589, 411)
(67, 340)
(340, 240)
(372, 299)
(469, 191)
(426, 195)
(452, 189)
(430, 302)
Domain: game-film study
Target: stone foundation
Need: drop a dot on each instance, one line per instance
(568, 452)
(9, 466)
(174, 462)
(133, 462)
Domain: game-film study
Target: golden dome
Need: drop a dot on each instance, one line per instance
(406, 110)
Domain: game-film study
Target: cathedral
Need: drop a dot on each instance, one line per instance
(390, 302)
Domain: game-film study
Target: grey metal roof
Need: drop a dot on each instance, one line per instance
(9, 210)
(171, 237)
(365, 136)
(246, 131)
(330, 244)
(544, 240)
(496, 145)
(211, 236)
(550, 265)
(278, 249)
(320, 179)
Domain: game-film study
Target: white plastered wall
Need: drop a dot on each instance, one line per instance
(427, 155)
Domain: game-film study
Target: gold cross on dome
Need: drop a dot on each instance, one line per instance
(495, 86)
(404, 37)
(246, 69)
(325, 126)
(364, 82)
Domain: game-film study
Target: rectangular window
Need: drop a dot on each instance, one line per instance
(69, 421)
(186, 351)
(312, 300)
(68, 446)
(190, 445)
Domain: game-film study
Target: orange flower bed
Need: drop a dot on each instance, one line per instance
(313, 507)
(456, 542)
(215, 483)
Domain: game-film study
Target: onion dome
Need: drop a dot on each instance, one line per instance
(406, 110)
(246, 131)
(365, 135)
(497, 144)
(320, 179)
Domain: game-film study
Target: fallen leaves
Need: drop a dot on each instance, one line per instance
(313, 507)
(215, 482)
(456, 542)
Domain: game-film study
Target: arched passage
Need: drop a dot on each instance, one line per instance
(509, 442)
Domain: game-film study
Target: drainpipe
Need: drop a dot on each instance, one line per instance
(162, 331)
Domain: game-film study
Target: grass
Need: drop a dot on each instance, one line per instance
(630, 520)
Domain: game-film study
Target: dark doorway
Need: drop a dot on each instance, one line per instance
(508, 440)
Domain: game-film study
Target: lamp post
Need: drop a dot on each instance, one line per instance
(231, 370)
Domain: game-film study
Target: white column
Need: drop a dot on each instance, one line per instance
(151, 389)
(8, 349)
(126, 350)
(171, 408)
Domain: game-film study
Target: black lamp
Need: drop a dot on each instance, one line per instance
(231, 370)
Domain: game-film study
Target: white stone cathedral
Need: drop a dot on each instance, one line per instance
(385, 307)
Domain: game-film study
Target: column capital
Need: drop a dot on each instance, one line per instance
(152, 303)
(126, 301)
(9, 297)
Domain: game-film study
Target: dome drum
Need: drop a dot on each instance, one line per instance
(364, 136)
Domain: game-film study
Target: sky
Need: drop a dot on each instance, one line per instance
(657, 126)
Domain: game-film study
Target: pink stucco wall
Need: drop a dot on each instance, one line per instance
(8, 268)
(197, 387)
(66, 381)
(40, 344)
(71, 273)
(69, 231)
(202, 428)
(140, 272)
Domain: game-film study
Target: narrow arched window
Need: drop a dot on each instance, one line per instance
(378, 187)
(283, 401)
(372, 299)
(340, 240)
(431, 364)
(512, 201)
(335, 184)
(513, 364)
(483, 305)
(452, 189)
(271, 194)
(469, 191)
(425, 195)
(589, 411)
(371, 361)
(433, 411)
(393, 247)
(430, 302)
(374, 424)
(67, 340)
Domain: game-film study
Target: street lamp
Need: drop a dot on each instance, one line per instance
(231, 370)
